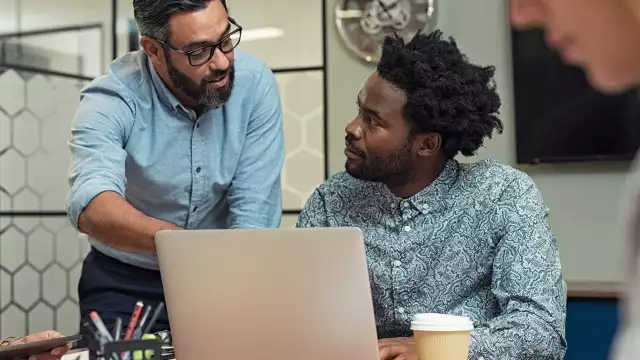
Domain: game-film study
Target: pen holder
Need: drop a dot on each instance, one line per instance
(133, 350)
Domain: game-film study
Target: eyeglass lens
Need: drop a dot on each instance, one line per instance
(205, 54)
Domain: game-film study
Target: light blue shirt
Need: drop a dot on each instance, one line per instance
(214, 171)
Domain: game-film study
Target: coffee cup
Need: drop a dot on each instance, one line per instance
(441, 336)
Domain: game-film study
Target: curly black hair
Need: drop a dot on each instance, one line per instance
(446, 93)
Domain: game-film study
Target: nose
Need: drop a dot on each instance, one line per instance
(354, 128)
(219, 61)
(527, 13)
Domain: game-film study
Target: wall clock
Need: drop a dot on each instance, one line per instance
(363, 24)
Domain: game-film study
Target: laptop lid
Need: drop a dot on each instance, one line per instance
(269, 294)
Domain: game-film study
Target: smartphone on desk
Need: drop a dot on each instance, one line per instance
(24, 351)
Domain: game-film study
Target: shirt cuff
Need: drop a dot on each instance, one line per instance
(80, 199)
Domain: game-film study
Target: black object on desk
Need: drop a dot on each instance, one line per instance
(114, 350)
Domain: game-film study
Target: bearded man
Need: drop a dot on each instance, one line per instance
(444, 237)
(183, 134)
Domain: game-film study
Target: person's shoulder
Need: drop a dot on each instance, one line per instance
(252, 74)
(126, 80)
(246, 64)
(494, 179)
(254, 88)
(489, 169)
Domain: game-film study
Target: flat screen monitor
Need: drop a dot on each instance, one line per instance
(559, 117)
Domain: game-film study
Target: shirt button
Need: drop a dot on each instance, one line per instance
(407, 228)
(198, 169)
(405, 204)
(393, 205)
(401, 310)
(397, 263)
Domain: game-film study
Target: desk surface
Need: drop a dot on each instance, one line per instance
(575, 289)
(594, 289)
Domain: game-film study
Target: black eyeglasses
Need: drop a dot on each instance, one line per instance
(203, 53)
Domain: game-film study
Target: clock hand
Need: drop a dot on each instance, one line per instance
(401, 20)
(387, 9)
(349, 14)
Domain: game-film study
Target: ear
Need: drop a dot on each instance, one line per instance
(429, 144)
(154, 51)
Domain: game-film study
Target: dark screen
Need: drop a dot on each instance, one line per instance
(559, 116)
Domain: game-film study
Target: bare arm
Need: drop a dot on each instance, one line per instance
(110, 218)
(96, 204)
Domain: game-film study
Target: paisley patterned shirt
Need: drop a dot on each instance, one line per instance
(476, 242)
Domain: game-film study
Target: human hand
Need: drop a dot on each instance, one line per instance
(56, 353)
(397, 349)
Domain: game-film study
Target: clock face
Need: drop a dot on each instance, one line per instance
(363, 24)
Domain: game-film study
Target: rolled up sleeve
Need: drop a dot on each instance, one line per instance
(255, 194)
(98, 137)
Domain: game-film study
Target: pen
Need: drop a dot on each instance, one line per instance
(102, 329)
(87, 324)
(133, 321)
(117, 329)
(154, 318)
(137, 334)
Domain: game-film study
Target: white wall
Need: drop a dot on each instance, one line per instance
(93, 45)
(583, 198)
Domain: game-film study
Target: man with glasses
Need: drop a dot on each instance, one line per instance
(184, 134)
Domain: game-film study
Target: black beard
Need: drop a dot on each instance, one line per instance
(395, 168)
(201, 93)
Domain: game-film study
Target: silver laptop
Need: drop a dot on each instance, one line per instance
(268, 294)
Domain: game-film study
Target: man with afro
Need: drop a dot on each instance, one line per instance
(470, 239)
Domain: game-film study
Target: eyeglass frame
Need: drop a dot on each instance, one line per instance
(214, 45)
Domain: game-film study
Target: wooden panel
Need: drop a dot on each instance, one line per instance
(594, 290)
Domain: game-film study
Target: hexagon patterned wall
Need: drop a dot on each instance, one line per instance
(288, 221)
(303, 110)
(40, 257)
(35, 118)
(40, 262)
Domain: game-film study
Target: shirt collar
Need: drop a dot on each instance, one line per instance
(165, 94)
(436, 195)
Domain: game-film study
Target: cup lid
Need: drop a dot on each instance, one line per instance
(441, 322)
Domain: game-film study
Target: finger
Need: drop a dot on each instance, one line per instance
(55, 354)
(51, 334)
(383, 342)
(383, 351)
(61, 350)
(45, 335)
(45, 356)
(389, 352)
(390, 341)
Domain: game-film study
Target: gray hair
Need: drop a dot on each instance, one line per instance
(153, 15)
